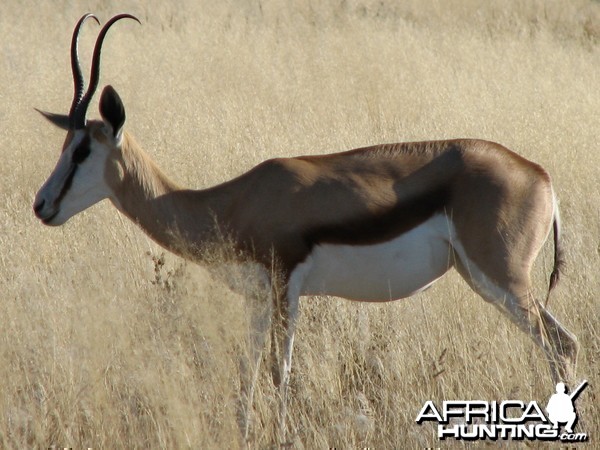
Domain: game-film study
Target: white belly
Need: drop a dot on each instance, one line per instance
(391, 270)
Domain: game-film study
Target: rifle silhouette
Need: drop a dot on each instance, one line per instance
(578, 390)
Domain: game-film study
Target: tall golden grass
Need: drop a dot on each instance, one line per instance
(104, 343)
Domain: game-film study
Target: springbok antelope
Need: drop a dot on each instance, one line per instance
(372, 224)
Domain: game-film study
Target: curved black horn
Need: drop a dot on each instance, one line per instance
(76, 67)
(81, 109)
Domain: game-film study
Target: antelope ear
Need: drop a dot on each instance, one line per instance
(112, 110)
(60, 120)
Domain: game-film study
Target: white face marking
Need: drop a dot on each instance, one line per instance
(391, 270)
(57, 201)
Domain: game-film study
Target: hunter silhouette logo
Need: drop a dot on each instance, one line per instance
(560, 406)
(510, 419)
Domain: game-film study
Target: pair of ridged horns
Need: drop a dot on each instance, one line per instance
(81, 101)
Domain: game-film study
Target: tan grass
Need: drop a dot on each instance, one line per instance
(101, 348)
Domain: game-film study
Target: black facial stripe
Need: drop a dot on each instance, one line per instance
(67, 184)
(82, 151)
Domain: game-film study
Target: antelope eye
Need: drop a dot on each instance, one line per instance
(82, 151)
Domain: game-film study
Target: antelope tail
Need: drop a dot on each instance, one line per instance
(559, 261)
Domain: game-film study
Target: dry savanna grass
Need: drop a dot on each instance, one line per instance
(107, 343)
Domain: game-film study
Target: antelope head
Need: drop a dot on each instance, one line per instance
(78, 180)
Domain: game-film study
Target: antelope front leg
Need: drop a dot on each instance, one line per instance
(259, 325)
(287, 317)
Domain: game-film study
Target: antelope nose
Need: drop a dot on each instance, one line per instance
(37, 207)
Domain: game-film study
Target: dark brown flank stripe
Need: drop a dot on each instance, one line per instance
(417, 207)
(391, 224)
(421, 195)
